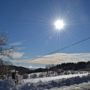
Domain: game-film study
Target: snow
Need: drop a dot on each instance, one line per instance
(57, 84)
(82, 86)
(6, 84)
(61, 82)
(46, 79)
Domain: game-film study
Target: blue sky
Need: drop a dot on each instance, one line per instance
(29, 23)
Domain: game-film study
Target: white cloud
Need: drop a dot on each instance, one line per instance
(58, 58)
(17, 54)
(12, 54)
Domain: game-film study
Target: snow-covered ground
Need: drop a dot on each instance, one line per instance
(82, 86)
(46, 79)
(63, 82)
(52, 82)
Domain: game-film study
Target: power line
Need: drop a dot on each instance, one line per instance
(66, 47)
(73, 44)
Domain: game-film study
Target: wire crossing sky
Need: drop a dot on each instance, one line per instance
(67, 47)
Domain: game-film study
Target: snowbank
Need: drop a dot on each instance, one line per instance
(45, 83)
(46, 79)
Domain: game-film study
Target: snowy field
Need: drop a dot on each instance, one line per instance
(82, 86)
(63, 82)
(46, 79)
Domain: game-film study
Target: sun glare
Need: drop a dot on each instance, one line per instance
(59, 24)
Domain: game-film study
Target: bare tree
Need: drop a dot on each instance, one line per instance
(4, 54)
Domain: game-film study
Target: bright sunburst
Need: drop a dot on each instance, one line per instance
(59, 24)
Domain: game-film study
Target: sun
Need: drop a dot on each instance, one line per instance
(59, 24)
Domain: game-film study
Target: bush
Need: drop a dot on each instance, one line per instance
(33, 76)
(25, 76)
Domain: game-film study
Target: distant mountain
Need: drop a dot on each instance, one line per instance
(4, 69)
(22, 70)
(83, 66)
(4, 65)
(66, 59)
